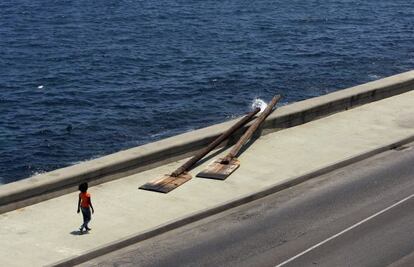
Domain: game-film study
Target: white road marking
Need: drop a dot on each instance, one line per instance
(344, 231)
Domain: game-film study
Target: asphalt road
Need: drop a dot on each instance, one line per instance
(361, 215)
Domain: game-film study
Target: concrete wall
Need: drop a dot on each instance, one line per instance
(48, 185)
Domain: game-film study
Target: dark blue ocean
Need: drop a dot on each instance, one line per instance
(82, 79)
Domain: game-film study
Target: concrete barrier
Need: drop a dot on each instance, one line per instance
(52, 184)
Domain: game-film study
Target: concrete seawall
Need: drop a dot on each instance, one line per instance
(276, 161)
(45, 186)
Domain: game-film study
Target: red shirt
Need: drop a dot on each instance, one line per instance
(85, 199)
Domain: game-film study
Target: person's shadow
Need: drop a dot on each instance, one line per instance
(77, 232)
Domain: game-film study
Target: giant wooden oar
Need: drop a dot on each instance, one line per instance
(171, 181)
(221, 168)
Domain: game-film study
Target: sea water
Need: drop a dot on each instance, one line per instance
(82, 79)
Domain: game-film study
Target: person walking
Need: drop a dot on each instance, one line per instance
(85, 204)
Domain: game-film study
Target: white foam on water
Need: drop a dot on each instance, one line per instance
(259, 103)
(36, 173)
(83, 161)
(374, 76)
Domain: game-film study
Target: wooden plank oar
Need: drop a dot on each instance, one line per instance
(171, 181)
(221, 168)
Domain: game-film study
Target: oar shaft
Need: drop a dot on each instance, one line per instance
(248, 134)
(186, 166)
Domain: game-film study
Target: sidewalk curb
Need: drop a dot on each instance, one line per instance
(132, 239)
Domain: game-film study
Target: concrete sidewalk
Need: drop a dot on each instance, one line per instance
(46, 232)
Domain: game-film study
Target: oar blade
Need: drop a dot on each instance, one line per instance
(166, 183)
(219, 171)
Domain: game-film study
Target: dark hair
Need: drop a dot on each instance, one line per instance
(83, 187)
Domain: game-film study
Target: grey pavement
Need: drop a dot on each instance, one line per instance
(45, 233)
(276, 228)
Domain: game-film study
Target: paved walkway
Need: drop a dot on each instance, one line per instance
(45, 233)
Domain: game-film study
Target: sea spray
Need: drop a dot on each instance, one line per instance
(258, 103)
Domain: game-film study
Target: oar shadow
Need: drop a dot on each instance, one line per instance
(209, 157)
(249, 143)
